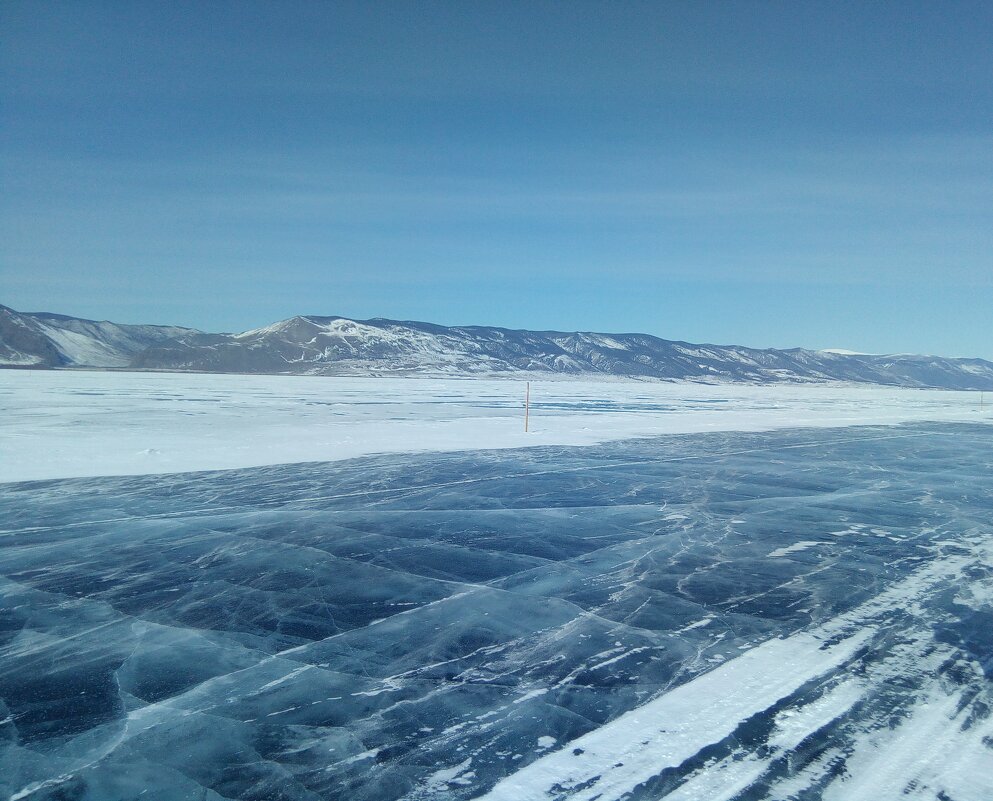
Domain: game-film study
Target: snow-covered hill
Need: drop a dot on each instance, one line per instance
(55, 340)
(338, 346)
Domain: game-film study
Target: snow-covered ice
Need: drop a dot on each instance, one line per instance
(65, 424)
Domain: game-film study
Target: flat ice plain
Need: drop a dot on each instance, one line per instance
(794, 601)
(64, 424)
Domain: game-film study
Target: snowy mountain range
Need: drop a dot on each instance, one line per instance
(314, 345)
(42, 339)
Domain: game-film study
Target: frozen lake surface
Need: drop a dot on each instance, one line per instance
(61, 424)
(801, 613)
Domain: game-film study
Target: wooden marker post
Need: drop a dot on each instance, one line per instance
(527, 405)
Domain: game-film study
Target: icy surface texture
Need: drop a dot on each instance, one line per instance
(800, 613)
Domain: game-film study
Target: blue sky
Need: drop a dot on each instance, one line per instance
(769, 174)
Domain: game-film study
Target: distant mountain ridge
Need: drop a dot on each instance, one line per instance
(316, 345)
(43, 339)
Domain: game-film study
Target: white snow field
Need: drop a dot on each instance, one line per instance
(64, 424)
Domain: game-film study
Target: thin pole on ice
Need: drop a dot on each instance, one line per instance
(527, 405)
